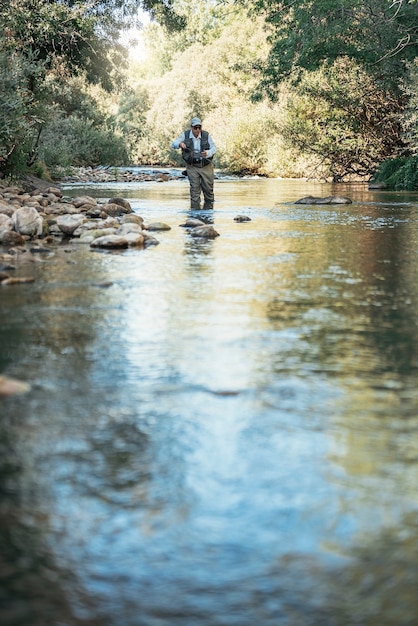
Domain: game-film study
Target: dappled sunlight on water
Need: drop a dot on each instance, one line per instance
(219, 432)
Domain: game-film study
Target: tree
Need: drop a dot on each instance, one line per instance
(378, 34)
(340, 115)
(58, 40)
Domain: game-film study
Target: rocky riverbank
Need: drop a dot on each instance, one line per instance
(38, 214)
(118, 174)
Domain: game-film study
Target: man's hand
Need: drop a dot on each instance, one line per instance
(182, 145)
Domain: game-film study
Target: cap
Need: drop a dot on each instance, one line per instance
(196, 122)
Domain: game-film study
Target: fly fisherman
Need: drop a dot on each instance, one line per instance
(197, 149)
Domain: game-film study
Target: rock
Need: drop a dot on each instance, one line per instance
(69, 223)
(121, 202)
(11, 238)
(54, 191)
(207, 231)
(155, 226)
(135, 240)
(192, 223)
(242, 218)
(326, 200)
(124, 229)
(113, 209)
(31, 183)
(27, 221)
(95, 233)
(83, 201)
(95, 211)
(6, 222)
(135, 219)
(110, 242)
(58, 208)
(149, 240)
(12, 387)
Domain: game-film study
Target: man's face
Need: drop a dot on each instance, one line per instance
(196, 130)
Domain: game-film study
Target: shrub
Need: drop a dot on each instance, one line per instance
(75, 141)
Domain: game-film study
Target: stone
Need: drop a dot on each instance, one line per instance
(126, 228)
(326, 200)
(242, 218)
(27, 221)
(135, 219)
(110, 242)
(135, 240)
(11, 238)
(113, 209)
(83, 201)
(149, 240)
(121, 202)
(155, 226)
(69, 223)
(192, 222)
(6, 222)
(207, 231)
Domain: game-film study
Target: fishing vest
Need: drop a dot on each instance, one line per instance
(189, 156)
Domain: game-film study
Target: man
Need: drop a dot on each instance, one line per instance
(198, 148)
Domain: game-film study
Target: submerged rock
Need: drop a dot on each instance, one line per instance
(326, 200)
(242, 218)
(192, 222)
(207, 231)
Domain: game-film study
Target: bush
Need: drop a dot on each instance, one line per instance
(75, 141)
(399, 174)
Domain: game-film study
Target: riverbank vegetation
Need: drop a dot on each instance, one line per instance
(284, 90)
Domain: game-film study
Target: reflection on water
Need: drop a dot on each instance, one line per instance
(219, 432)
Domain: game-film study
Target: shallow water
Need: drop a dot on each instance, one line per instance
(219, 433)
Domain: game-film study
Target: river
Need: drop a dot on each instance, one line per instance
(218, 433)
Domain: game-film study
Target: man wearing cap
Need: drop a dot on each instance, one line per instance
(198, 148)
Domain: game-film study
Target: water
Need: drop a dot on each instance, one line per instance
(219, 433)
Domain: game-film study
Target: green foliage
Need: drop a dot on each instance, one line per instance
(410, 119)
(339, 114)
(18, 111)
(76, 141)
(131, 115)
(377, 34)
(46, 43)
(399, 174)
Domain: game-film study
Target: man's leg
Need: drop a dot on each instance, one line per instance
(194, 182)
(206, 175)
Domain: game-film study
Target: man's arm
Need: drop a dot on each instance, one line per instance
(179, 142)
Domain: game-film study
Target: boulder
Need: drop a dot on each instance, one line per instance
(113, 209)
(242, 218)
(11, 238)
(124, 229)
(155, 226)
(135, 219)
(83, 201)
(110, 242)
(27, 221)
(69, 223)
(121, 202)
(6, 222)
(135, 240)
(326, 200)
(192, 222)
(207, 231)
